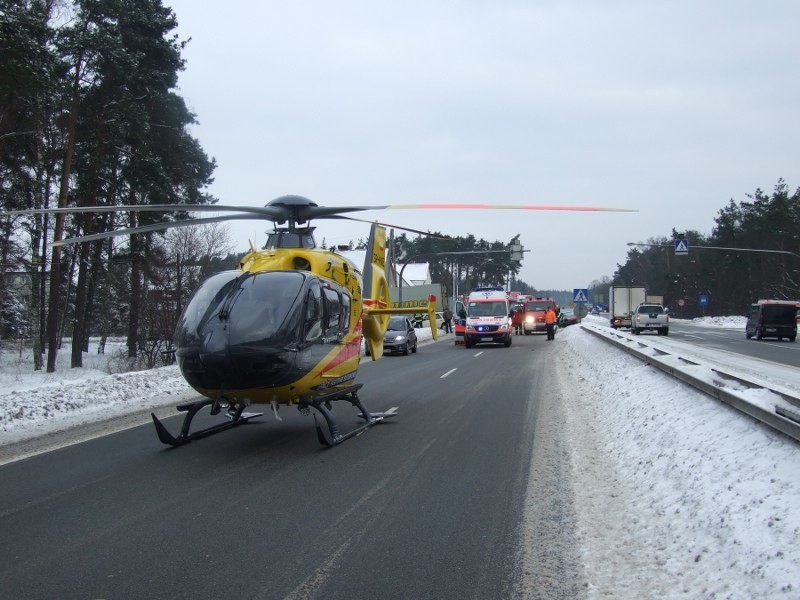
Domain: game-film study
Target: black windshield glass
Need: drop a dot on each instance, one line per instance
(397, 324)
(780, 313)
(488, 309)
(650, 310)
(537, 305)
(204, 305)
(263, 304)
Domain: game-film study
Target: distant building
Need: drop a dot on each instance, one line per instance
(416, 273)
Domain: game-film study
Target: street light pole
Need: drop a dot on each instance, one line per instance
(720, 248)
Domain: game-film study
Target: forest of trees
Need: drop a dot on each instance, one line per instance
(473, 262)
(752, 253)
(89, 116)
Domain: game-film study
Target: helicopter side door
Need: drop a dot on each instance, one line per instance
(327, 319)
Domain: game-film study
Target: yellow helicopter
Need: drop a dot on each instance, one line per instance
(285, 327)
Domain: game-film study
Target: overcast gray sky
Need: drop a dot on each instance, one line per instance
(671, 108)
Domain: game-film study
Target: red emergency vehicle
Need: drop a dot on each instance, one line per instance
(533, 317)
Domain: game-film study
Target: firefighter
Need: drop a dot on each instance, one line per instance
(516, 320)
(550, 319)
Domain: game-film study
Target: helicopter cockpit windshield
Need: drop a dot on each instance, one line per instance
(303, 238)
(251, 307)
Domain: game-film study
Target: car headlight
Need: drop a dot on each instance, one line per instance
(399, 338)
(529, 319)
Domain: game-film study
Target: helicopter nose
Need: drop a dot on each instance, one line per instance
(214, 352)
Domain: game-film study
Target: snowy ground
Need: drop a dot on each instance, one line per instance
(677, 495)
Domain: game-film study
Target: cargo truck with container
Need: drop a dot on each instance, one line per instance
(622, 302)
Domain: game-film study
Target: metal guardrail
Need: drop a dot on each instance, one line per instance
(779, 410)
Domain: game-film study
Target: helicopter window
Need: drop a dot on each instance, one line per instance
(313, 314)
(345, 312)
(333, 309)
(290, 239)
(265, 301)
(207, 302)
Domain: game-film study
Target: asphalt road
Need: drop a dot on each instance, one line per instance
(733, 340)
(428, 505)
(730, 340)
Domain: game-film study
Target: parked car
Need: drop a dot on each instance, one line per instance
(400, 336)
(426, 322)
(567, 317)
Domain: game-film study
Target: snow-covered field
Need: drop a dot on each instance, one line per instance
(677, 494)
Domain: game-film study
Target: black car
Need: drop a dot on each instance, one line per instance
(772, 318)
(400, 336)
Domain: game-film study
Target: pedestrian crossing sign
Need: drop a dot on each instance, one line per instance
(682, 246)
(580, 295)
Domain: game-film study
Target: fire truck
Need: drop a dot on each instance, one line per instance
(533, 317)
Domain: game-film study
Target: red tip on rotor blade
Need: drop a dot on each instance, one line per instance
(512, 207)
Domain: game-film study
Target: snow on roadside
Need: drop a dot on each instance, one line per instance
(677, 493)
(28, 413)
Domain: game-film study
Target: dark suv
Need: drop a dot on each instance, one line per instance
(772, 318)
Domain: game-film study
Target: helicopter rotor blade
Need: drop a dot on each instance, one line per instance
(294, 209)
(418, 231)
(269, 212)
(148, 228)
(483, 206)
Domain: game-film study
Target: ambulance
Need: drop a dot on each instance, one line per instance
(488, 317)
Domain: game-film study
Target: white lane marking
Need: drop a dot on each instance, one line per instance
(450, 372)
(479, 353)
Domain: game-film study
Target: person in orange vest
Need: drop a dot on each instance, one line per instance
(550, 323)
(516, 319)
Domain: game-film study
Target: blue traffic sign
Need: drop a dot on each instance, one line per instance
(682, 246)
(580, 295)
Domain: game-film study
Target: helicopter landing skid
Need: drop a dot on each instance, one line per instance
(236, 416)
(330, 435)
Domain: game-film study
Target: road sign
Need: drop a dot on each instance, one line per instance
(681, 302)
(580, 295)
(703, 300)
(681, 246)
(581, 310)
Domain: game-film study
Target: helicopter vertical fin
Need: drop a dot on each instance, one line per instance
(432, 317)
(376, 292)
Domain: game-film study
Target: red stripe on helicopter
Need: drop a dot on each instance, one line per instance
(376, 303)
(350, 350)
